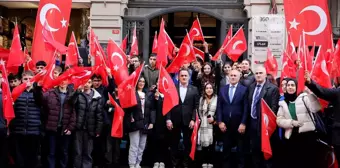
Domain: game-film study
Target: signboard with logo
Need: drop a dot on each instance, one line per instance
(268, 31)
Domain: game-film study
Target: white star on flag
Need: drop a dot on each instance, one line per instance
(115, 68)
(63, 22)
(293, 24)
(129, 86)
(2, 62)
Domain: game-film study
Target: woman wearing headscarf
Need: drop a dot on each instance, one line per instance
(293, 116)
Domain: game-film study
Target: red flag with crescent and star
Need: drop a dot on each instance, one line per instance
(194, 137)
(82, 75)
(162, 46)
(271, 64)
(134, 45)
(268, 126)
(117, 62)
(72, 52)
(127, 89)
(117, 122)
(225, 42)
(199, 53)
(186, 54)
(123, 45)
(16, 56)
(196, 32)
(7, 101)
(237, 45)
(56, 14)
(310, 17)
(168, 89)
(155, 44)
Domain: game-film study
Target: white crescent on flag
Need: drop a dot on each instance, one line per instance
(43, 13)
(163, 81)
(236, 44)
(323, 19)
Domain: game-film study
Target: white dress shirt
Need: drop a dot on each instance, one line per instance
(183, 91)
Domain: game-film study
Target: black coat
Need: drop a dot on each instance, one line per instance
(27, 109)
(89, 115)
(184, 112)
(104, 92)
(247, 81)
(270, 94)
(333, 96)
(141, 122)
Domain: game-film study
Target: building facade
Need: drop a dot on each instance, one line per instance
(116, 18)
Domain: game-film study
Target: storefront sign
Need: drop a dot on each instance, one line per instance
(268, 31)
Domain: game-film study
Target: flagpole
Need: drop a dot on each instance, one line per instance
(304, 48)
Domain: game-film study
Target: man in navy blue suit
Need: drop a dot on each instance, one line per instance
(232, 117)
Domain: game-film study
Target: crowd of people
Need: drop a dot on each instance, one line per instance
(71, 127)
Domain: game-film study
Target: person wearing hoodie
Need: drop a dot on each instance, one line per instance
(89, 121)
(295, 117)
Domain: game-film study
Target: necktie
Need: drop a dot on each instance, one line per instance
(256, 99)
(231, 93)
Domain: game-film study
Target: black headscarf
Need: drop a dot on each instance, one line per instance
(290, 97)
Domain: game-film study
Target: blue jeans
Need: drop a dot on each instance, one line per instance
(58, 149)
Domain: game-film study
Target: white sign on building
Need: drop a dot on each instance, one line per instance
(268, 31)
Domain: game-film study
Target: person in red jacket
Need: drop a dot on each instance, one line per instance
(60, 121)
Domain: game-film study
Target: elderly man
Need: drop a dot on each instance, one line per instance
(232, 114)
(261, 89)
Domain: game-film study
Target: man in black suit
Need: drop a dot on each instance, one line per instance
(232, 113)
(270, 93)
(181, 118)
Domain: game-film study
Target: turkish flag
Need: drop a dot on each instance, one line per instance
(134, 45)
(92, 42)
(16, 56)
(7, 101)
(123, 45)
(28, 65)
(117, 62)
(127, 89)
(225, 42)
(186, 54)
(155, 44)
(168, 89)
(56, 14)
(271, 64)
(72, 52)
(117, 122)
(312, 18)
(290, 49)
(237, 45)
(268, 126)
(320, 73)
(171, 46)
(162, 47)
(332, 161)
(50, 43)
(199, 53)
(48, 79)
(194, 138)
(335, 71)
(4, 53)
(196, 32)
(288, 69)
(82, 75)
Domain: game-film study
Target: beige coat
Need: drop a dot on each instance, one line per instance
(284, 119)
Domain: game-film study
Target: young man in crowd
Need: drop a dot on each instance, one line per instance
(150, 73)
(14, 81)
(39, 66)
(89, 122)
(60, 120)
(25, 128)
(103, 144)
